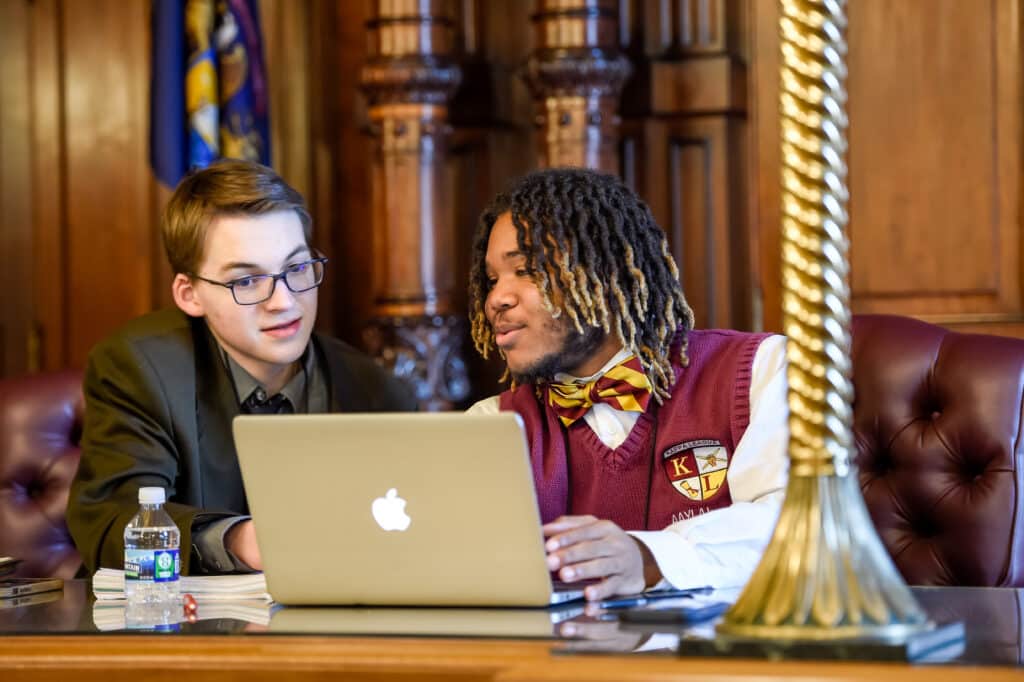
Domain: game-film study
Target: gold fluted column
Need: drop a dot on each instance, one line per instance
(825, 575)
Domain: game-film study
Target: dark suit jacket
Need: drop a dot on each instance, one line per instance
(159, 405)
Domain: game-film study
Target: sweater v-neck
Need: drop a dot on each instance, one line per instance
(623, 456)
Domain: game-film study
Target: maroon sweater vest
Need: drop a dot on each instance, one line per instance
(680, 474)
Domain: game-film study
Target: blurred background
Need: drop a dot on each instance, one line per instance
(400, 119)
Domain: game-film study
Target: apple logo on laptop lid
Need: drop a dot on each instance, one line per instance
(389, 511)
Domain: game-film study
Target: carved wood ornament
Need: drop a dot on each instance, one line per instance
(409, 78)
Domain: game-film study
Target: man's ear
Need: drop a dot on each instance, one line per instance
(185, 296)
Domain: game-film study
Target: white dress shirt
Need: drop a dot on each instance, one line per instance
(722, 547)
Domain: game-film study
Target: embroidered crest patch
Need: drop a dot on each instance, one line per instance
(696, 468)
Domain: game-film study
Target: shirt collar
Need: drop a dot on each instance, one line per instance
(294, 390)
(564, 378)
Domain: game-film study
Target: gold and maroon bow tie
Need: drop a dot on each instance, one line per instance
(624, 387)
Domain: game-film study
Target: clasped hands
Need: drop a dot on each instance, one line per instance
(587, 548)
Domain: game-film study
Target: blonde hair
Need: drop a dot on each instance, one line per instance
(227, 187)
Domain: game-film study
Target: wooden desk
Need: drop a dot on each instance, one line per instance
(69, 648)
(259, 658)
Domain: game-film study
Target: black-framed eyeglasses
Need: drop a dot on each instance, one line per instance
(253, 289)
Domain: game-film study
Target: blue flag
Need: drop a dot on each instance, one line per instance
(167, 127)
(209, 93)
(244, 130)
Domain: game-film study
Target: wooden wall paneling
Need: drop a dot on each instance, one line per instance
(690, 171)
(110, 224)
(471, 113)
(505, 44)
(677, 27)
(630, 25)
(49, 188)
(765, 161)
(16, 326)
(471, 161)
(743, 280)
(1009, 104)
(507, 41)
(339, 152)
(161, 274)
(929, 137)
(934, 160)
(928, 167)
(715, 83)
(472, 187)
(686, 117)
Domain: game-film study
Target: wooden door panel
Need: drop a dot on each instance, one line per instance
(934, 160)
(934, 154)
(110, 219)
(15, 190)
(687, 172)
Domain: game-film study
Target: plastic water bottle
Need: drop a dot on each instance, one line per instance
(151, 562)
(153, 617)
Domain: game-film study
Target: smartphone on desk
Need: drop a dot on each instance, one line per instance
(683, 611)
(31, 599)
(19, 587)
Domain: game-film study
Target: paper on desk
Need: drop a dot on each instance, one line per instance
(108, 583)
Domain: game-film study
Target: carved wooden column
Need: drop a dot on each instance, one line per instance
(576, 74)
(409, 78)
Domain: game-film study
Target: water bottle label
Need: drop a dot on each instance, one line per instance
(157, 565)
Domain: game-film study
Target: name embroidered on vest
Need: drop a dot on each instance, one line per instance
(697, 430)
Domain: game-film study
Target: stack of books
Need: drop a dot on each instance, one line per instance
(237, 597)
(108, 584)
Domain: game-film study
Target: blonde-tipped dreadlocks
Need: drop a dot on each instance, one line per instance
(591, 239)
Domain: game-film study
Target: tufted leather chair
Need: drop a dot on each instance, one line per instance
(937, 421)
(40, 426)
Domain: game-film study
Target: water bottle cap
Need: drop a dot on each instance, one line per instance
(151, 496)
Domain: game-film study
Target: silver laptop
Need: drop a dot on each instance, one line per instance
(395, 509)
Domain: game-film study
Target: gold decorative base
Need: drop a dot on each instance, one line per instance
(798, 633)
(825, 575)
(943, 644)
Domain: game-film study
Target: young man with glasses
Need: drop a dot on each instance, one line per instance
(161, 392)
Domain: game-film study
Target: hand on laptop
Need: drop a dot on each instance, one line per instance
(585, 548)
(241, 541)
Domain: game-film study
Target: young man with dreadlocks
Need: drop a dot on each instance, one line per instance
(636, 422)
